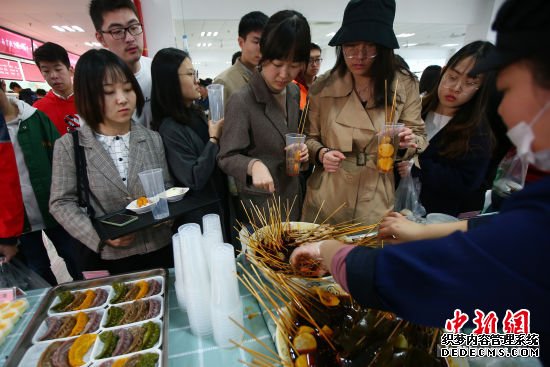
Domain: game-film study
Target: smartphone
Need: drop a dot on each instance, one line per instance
(119, 220)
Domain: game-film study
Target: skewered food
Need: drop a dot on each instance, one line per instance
(76, 301)
(133, 312)
(71, 325)
(122, 341)
(124, 292)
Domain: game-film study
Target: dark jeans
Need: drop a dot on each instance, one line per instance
(163, 258)
(36, 257)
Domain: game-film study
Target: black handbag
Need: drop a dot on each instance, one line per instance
(82, 183)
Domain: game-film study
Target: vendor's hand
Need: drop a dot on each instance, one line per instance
(407, 139)
(331, 160)
(261, 178)
(306, 260)
(122, 241)
(395, 228)
(215, 128)
(404, 168)
(8, 251)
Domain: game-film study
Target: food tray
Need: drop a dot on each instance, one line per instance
(120, 305)
(42, 329)
(105, 362)
(107, 289)
(28, 350)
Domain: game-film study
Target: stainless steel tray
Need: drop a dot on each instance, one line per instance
(25, 341)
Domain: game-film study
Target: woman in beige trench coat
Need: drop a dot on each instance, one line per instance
(347, 111)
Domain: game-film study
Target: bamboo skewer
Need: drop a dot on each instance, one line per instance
(302, 122)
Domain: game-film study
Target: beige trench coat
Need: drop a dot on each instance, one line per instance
(337, 120)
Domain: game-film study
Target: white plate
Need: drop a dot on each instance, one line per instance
(176, 193)
(139, 210)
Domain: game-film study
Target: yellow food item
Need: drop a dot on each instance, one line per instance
(10, 315)
(305, 329)
(120, 362)
(327, 331)
(386, 139)
(90, 296)
(327, 298)
(143, 289)
(385, 150)
(301, 361)
(142, 201)
(305, 343)
(20, 305)
(81, 321)
(79, 349)
(385, 164)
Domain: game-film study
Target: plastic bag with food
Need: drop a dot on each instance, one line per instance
(16, 274)
(407, 197)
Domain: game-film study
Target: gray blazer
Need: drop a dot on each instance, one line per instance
(107, 191)
(255, 128)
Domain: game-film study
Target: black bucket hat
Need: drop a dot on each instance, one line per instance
(522, 28)
(369, 21)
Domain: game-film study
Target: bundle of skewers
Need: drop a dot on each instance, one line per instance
(323, 326)
(271, 237)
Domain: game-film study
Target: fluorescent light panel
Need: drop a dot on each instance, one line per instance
(405, 35)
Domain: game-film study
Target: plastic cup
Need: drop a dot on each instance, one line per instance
(293, 147)
(388, 144)
(215, 101)
(153, 184)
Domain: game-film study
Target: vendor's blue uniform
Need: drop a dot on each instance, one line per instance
(500, 265)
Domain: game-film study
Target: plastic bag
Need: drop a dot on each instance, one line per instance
(510, 177)
(407, 197)
(16, 274)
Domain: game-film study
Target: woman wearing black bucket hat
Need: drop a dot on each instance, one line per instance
(495, 263)
(347, 110)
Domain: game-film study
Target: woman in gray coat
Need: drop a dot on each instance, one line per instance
(190, 142)
(252, 147)
(116, 150)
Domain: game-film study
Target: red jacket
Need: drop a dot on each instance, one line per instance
(56, 109)
(11, 207)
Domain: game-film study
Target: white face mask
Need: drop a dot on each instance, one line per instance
(522, 136)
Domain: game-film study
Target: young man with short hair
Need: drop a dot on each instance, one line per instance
(25, 94)
(54, 65)
(118, 29)
(237, 75)
(306, 78)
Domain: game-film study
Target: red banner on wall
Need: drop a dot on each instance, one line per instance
(31, 72)
(15, 45)
(36, 44)
(10, 70)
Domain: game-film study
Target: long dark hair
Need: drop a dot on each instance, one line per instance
(166, 95)
(471, 116)
(92, 68)
(382, 71)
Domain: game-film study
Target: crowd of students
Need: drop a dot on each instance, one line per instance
(130, 113)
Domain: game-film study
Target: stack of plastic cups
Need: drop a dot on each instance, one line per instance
(212, 234)
(196, 283)
(225, 300)
(178, 268)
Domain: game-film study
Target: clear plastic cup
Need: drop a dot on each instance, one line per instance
(215, 101)
(388, 144)
(293, 147)
(153, 184)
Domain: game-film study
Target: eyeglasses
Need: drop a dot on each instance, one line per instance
(120, 33)
(193, 73)
(315, 61)
(453, 81)
(359, 51)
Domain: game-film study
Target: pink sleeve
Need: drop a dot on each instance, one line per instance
(338, 266)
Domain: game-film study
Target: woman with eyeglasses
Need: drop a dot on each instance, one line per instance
(347, 111)
(190, 141)
(453, 166)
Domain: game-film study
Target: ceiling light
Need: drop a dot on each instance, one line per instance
(449, 45)
(203, 44)
(77, 28)
(209, 45)
(202, 34)
(215, 34)
(96, 44)
(331, 34)
(405, 35)
(199, 44)
(208, 34)
(89, 44)
(68, 28)
(58, 28)
(410, 44)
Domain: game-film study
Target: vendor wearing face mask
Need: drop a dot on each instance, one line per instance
(497, 265)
